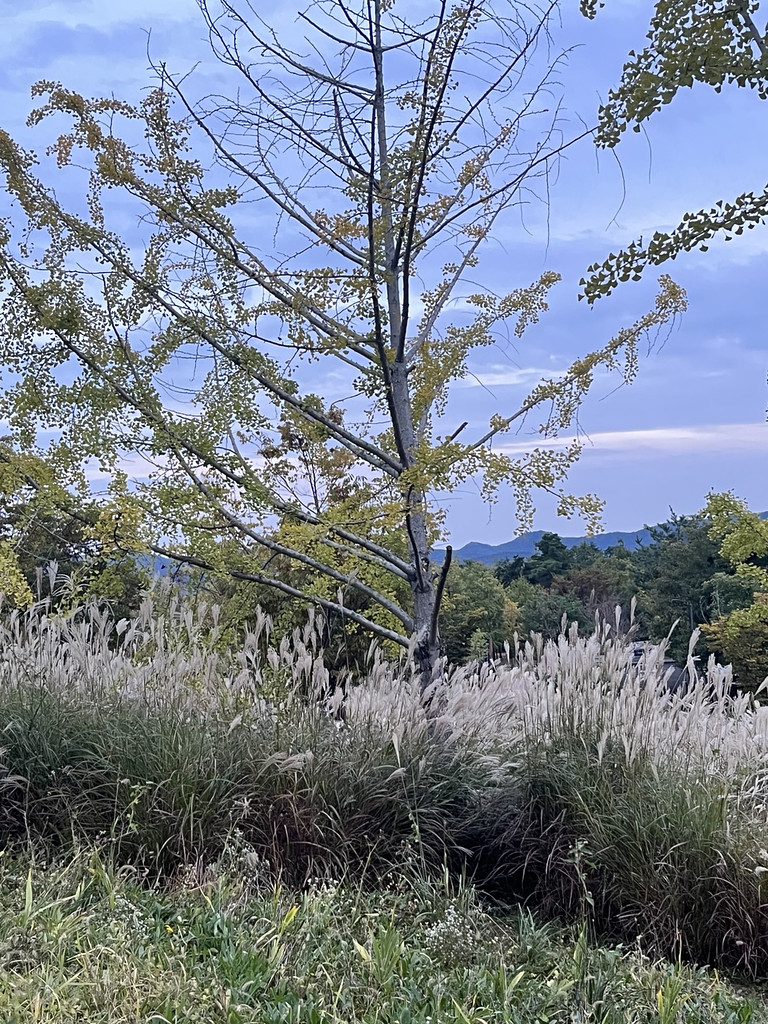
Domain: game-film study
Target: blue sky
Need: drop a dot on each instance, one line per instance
(695, 418)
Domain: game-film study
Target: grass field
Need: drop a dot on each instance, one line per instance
(82, 942)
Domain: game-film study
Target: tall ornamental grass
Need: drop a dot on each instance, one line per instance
(641, 809)
(146, 735)
(565, 776)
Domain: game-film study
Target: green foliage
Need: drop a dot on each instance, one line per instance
(214, 947)
(508, 570)
(599, 586)
(546, 612)
(552, 559)
(741, 639)
(674, 579)
(477, 614)
(726, 592)
(585, 555)
(557, 582)
(742, 535)
(12, 582)
(740, 633)
(696, 572)
(716, 43)
(539, 609)
(36, 539)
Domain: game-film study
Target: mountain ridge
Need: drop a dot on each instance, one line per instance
(525, 545)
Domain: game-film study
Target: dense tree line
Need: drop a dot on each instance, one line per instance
(681, 580)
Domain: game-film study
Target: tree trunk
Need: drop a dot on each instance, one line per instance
(395, 375)
(428, 646)
(427, 595)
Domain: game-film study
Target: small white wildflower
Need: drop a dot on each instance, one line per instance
(452, 938)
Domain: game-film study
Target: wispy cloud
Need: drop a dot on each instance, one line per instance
(508, 376)
(99, 15)
(722, 437)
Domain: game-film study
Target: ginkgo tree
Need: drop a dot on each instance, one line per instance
(709, 42)
(226, 252)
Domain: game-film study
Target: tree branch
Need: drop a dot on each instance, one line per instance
(349, 580)
(285, 588)
(363, 449)
(294, 208)
(439, 593)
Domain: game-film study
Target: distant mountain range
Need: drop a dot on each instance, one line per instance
(525, 545)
